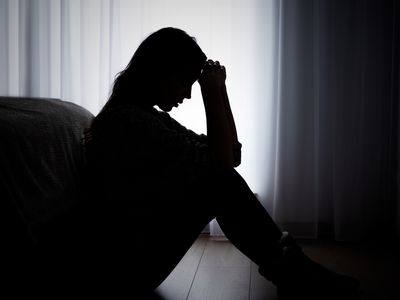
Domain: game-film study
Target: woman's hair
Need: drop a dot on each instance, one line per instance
(168, 51)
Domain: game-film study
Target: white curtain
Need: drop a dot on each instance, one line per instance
(308, 81)
(335, 118)
(72, 49)
(62, 49)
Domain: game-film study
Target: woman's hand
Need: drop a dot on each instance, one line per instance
(221, 130)
(213, 75)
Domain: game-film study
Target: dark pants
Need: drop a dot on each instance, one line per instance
(177, 223)
(98, 250)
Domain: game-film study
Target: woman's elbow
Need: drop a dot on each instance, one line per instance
(236, 163)
(230, 162)
(237, 157)
(224, 163)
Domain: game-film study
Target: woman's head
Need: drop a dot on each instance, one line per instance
(162, 70)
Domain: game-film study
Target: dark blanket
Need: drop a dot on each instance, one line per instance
(54, 244)
(41, 163)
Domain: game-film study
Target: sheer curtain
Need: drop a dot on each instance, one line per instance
(62, 49)
(336, 118)
(73, 49)
(313, 86)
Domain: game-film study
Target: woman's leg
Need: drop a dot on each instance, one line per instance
(246, 223)
(166, 231)
(250, 228)
(244, 220)
(170, 227)
(167, 239)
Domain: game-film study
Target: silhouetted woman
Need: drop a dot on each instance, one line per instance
(159, 184)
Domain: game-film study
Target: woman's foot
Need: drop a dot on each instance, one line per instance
(298, 277)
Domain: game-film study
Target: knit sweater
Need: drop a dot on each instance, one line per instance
(147, 154)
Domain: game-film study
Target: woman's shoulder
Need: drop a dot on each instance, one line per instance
(130, 121)
(125, 114)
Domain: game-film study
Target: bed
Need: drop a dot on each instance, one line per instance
(42, 162)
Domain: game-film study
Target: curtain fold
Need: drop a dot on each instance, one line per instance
(313, 84)
(61, 49)
(72, 49)
(335, 164)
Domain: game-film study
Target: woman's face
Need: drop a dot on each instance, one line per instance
(172, 92)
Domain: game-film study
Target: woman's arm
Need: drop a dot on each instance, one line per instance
(221, 129)
(237, 146)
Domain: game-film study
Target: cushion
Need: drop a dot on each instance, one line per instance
(42, 158)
